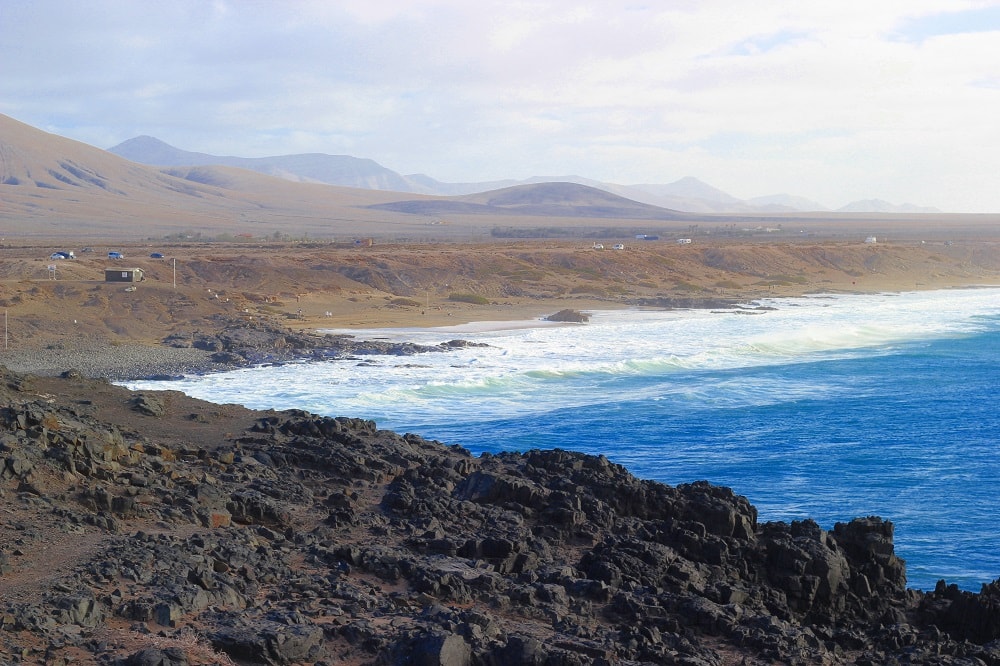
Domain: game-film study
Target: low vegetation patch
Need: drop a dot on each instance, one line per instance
(475, 299)
(791, 279)
(588, 289)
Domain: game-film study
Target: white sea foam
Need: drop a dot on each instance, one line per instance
(534, 367)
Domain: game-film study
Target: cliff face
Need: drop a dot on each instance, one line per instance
(156, 529)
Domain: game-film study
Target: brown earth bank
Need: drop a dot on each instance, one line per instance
(154, 529)
(266, 299)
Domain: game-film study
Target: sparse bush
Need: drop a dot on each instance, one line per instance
(475, 299)
(405, 302)
(789, 279)
(588, 289)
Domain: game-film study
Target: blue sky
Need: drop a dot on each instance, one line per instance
(892, 99)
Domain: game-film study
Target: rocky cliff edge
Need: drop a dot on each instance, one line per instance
(151, 529)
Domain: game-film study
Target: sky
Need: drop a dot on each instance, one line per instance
(832, 101)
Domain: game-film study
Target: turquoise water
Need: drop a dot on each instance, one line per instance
(826, 407)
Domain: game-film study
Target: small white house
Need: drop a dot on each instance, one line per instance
(683, 241)
(871, 240)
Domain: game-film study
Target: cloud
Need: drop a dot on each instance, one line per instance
(822, 100)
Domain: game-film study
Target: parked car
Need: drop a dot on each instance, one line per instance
(115, 255)
(156, 255)
(58, 255)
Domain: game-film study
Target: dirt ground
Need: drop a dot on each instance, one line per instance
(54, 304)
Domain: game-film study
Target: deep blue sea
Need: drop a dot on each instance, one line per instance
(827, 407)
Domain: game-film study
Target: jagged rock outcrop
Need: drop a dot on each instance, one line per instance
(300, 539)
(248, 342)
(570, 316)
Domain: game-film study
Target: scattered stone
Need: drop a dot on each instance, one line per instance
(146, 404)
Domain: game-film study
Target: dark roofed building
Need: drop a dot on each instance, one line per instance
(123, 275)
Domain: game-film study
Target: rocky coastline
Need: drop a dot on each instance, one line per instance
(231, 343)
(151, 528)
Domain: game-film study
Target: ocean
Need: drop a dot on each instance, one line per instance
(826, 406)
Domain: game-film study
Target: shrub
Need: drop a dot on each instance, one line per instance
(475, 299)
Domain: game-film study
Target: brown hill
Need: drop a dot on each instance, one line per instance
(541, 200)
(55, 187)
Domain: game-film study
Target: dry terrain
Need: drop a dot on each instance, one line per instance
(328, 285)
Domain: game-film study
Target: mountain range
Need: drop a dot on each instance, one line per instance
(54, 186)
(687, 194)
(51, 186)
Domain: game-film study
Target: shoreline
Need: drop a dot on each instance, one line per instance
(132, 361)
(214, 307)
(114, 362)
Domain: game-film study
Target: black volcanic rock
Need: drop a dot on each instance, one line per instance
(299, 539)
(571, 316)
(240, 343)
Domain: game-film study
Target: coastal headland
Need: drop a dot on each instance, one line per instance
(152, 528)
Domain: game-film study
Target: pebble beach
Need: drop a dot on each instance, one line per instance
(116, 362)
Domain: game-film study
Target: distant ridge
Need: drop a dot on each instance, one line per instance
(51, 186)
(543, 199)
(342, 170)
(687, 194)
